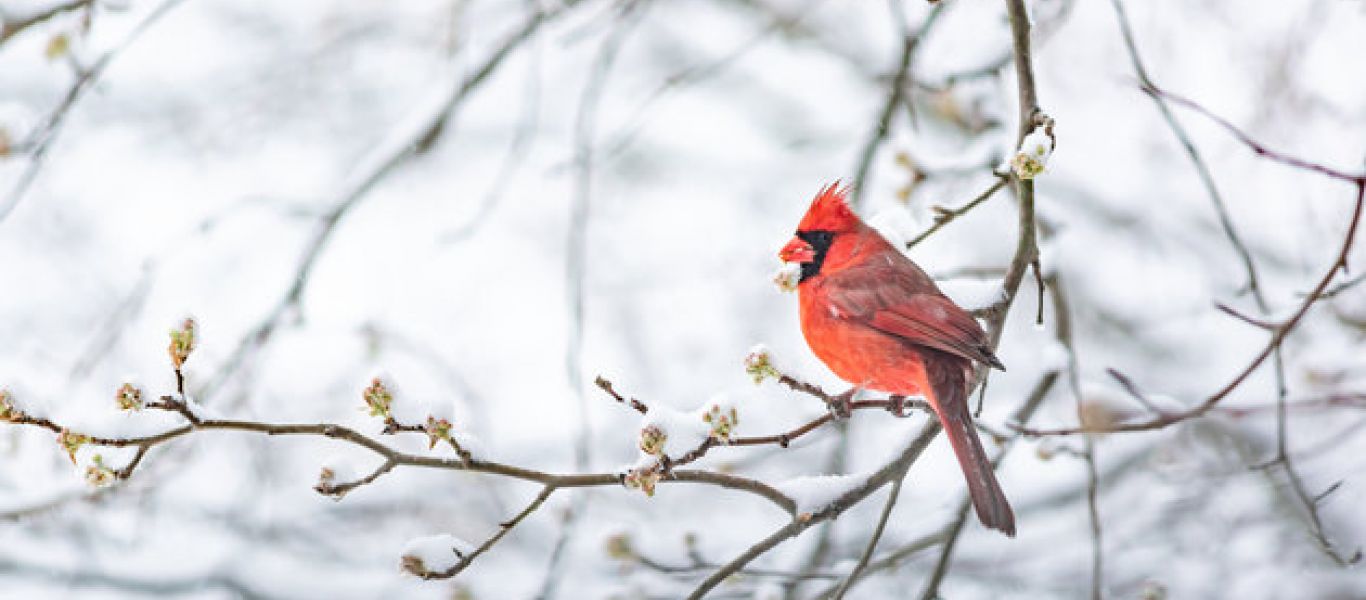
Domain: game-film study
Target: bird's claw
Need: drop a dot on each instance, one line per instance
(896, 405)
(842, 406)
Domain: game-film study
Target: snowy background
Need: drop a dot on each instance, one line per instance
(610, 200)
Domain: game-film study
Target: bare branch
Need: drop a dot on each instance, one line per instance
(872, 541)
(894, 95)
(40, 141)
(1257, 147)
(400, 145)
(1206, 178)
(1277, 337)
(949, 535)
(943, 217)
(503, 530)
(11, 25)
(1026, 254)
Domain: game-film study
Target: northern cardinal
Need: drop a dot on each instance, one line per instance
(880, 323)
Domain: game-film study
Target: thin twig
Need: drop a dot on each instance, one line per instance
(576, 267)
(883, 125)
(1282, 329)
(351, 436)
(622, 139)
(1063, 317)
(1027, 251)
(1257, 147)
(946, 216)
(146, 586)
(948, 537)
(806, 520)
(1206, 178)
(503, 530)
(400, 144)
(872, 541)
(12, 25)
(1344, 286)
(40, 141)
(1277, 337)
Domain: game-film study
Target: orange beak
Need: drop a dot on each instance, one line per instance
(797, 251)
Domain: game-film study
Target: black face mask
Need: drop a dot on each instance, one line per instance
(820, 244)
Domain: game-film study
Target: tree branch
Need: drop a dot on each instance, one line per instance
(11, 26)
(883, 125)
(1206, 178)
(39, 142)
(401, 144)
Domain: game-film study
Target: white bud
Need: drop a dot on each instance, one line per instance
(1032, 156)
(788, 276)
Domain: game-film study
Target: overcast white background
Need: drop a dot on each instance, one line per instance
(191, 178)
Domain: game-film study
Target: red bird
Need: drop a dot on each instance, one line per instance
(880, 323)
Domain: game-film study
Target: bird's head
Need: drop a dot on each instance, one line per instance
(828, 217)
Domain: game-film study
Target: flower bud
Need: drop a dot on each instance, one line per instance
(722, 421)
(652, 439)
(642, 479)
(72, 442)
(128, 397)
(437, 430)
(326, 477)
(98, 474)
(788, 276)
(378, 398)
(7, 410)
(759, 364)
(182, 343)
(1032, 157)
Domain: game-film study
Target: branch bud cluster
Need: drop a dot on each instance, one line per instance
(788, 276)
(378, 398)
(1032, 156)
(128, 397)
(643, 479)
(71, 442)
(8, 412)
(435, 555)
(98, 474)
(437, 430)
(759, 364)
(652, 439)
(182, 343)
(722, 418)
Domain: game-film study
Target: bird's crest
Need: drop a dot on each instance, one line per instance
(829, 211)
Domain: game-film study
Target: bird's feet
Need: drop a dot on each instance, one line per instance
(842, 406)
(896, 405)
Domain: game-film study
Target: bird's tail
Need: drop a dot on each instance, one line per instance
(951, 403)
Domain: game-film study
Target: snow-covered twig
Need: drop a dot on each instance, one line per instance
(39, 142)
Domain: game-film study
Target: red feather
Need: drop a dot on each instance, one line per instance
(830, 211)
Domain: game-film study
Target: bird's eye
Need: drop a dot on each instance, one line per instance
(819, 240)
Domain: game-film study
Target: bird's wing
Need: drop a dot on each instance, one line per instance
(899, 304)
